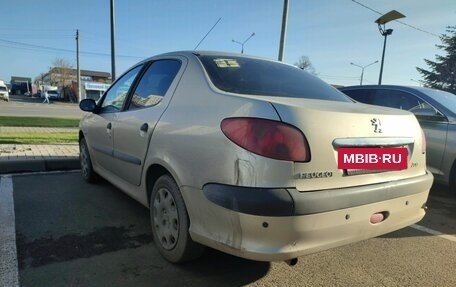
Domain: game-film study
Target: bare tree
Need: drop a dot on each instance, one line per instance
(305, 64)
(64, 75)
(63, 72)
(39, 79)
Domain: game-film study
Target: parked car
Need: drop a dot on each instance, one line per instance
(54, 95)
(436, 112)
(4, 92)
(240, 154)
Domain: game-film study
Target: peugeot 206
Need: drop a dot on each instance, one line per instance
(253, 157)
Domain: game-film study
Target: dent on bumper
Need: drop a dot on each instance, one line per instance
(249, 200)
(276, 238)
(289, 201)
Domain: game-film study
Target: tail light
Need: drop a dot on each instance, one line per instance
(267, 138)
(423, 142)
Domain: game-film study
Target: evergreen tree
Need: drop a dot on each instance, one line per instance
(442, 72)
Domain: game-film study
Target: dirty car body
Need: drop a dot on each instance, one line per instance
(240, 154)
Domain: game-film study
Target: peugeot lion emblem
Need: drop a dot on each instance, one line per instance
(377, 125)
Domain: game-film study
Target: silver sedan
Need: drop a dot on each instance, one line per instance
(243, 155)
(436, 113)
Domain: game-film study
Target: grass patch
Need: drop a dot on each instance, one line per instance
(38, 122)
(38, 138)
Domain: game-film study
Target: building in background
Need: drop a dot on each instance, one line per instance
(93, 83)
(21, 85)
(91, 90)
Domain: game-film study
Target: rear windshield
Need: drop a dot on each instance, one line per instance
(2, 88)
(266, 78)
(52, 92)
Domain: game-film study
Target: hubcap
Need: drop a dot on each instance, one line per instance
(166, 220)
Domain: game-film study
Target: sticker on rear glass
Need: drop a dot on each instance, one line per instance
(226, 63)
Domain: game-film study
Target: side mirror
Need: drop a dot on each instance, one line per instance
(88, 105)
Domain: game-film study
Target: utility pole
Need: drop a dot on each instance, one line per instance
(284, 29)
(113, 49)
(78, 70)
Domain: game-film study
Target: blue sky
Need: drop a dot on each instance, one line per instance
(332, 33)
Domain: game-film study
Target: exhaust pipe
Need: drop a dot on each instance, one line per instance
(424, 206)
(292, 262)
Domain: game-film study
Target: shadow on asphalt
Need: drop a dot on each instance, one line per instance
(69, 229)
(73, 233)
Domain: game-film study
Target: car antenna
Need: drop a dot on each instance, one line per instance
(208, 33)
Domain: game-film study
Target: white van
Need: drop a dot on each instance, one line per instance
(4, 93)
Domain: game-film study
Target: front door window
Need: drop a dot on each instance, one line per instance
(117, 94)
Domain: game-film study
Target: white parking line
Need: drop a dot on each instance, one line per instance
(9, 275)
(434, 232)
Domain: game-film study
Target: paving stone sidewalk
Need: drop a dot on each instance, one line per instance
(35, 130)
(38, 157)
(25, 151)
(32, 158)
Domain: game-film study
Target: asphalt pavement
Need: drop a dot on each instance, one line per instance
(71, 233)
(34, 107)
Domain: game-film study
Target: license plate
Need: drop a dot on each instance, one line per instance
(377, 159)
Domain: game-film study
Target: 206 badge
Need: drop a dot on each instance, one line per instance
(377, 125)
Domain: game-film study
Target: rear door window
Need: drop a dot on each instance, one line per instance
(399, 100)
(362, 96)
(154, 84)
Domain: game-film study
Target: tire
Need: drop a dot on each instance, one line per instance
(170, 222)
(452, 183)
(87, 171)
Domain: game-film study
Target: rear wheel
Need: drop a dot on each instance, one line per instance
(87, 171)
(453, 179)
(170, 222)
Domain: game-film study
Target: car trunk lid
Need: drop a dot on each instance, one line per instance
(330, 125)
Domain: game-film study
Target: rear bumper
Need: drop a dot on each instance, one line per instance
(289, 201)
(313, 227)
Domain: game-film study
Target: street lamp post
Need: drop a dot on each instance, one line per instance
(362, 70)
(243, 43)
(388, 17)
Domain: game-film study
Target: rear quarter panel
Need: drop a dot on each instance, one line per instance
(188, 140)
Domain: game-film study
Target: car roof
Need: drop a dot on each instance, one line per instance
(191, 54)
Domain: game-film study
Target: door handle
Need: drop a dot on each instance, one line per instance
(108, 129)
(144, 127)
